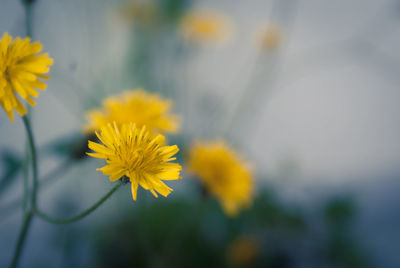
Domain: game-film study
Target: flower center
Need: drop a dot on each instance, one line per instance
(6, 74)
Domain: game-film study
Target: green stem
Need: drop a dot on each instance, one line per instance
(49, 179)
(21, 239)
(28, 18)
(29, 214)
(34, 159)
(80, 216)
(26, 178)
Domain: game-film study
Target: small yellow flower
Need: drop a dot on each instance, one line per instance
(269, 38)
(20, 68)
(134, 153)
(207, 27)
(243, 251)
(136, 106)
(141, 13)
(223, 174)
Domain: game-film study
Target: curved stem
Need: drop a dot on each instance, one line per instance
(34, 159)
(28, 28)
(29, 214)
(26, 178)
(80, 216)
(47, 180)
(21, 239)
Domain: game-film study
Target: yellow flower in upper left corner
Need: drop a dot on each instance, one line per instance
(20, 68)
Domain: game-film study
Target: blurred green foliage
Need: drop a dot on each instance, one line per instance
(73, 147)
(187, 233)
(342, 247)
(195, 232)
(11, 164)
(172, 10)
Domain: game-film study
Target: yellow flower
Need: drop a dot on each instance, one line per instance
(138, 107)
(203, 26)
(269, 38)
(223, 174)
(20, 68)
(243, 251)
(141, 13)
(132, 152)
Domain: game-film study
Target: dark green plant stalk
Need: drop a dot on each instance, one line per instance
(29, 214)
(28, 27)
(32, 209)
(46, 181)
(26, 178)
(80, 216)
(28, 14)
(34, 159)
(21, 239)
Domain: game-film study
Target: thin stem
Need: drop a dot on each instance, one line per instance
(28, 28)
(49, 179)
(26, 178)
(80, 216)
(28, 18)
(28, 215)
(268, 70)
(34, 159)
(21, 239)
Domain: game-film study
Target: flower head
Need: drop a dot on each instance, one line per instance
(223, 174)
(243, 251)
(20, 68)
(141, 13)
(203, 26)
(269, 38)
(132, 152)
(138, 107)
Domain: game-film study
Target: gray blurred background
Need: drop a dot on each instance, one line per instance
(326, 124)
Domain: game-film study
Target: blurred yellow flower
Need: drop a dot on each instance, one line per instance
(242, 251)
(269, 38)
(223, 174)
(20, 68)
(142, 13)
(205, 26)
(132, 152)
(136, 106)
